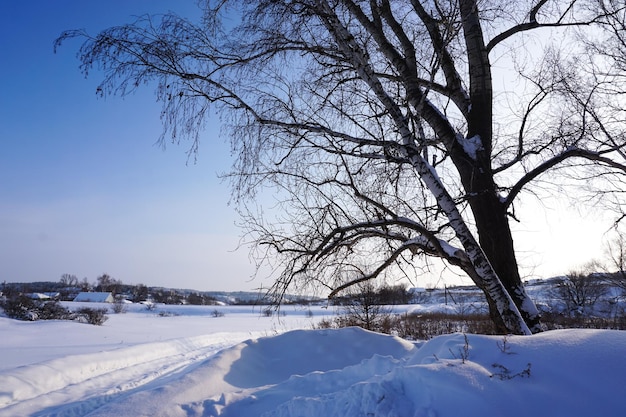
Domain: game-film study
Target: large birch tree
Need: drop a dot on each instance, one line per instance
(381, 128)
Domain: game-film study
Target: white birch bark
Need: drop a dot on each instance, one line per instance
(489, 281)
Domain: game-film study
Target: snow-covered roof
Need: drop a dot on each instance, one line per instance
(95, 297)
(38, 296)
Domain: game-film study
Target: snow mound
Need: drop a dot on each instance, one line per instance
(352, 372)
(341, 372)
(548, 374)
(258, 375)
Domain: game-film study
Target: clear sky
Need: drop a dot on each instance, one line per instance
(84, 189)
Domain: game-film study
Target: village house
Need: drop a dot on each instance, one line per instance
(95, 297)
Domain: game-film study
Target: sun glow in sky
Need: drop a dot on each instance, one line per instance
(85, 190)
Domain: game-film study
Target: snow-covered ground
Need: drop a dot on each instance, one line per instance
(184, 361)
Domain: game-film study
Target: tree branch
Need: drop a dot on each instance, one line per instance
(533, 24)
(572, 152)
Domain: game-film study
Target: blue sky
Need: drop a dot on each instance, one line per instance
(85, 190)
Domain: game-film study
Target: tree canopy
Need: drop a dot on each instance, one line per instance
(391, 131)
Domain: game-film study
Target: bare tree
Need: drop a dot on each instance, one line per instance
(85, 285)
(380, 128)
(140, 292)
(580, 290)
(364, 309)
(107, 283)
(616, 271)
(69, 280)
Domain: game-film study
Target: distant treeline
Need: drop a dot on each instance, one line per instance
(61, 291)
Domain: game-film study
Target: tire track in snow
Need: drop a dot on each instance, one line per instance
(98, 378)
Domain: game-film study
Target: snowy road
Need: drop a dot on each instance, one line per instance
(76, 385)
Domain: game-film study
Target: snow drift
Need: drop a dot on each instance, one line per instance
(347, 372)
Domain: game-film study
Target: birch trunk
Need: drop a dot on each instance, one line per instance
(484, 277)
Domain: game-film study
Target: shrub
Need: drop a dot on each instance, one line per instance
(53, 310)
(428, 325)
(95, 316)
(552, 321)
(20, 308)
(25, 308)
(119, 305)
(419, 327)
(167, 314)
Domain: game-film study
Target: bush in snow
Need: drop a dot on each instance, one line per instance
(579, 291)
(421, 326)
(53, 310)
(95, 316)
(429, 325)
(22, 307)
(119, 305)
(556, 321)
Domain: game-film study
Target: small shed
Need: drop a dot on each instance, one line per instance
(95, 297)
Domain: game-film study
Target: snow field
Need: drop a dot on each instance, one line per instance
(243, 364)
